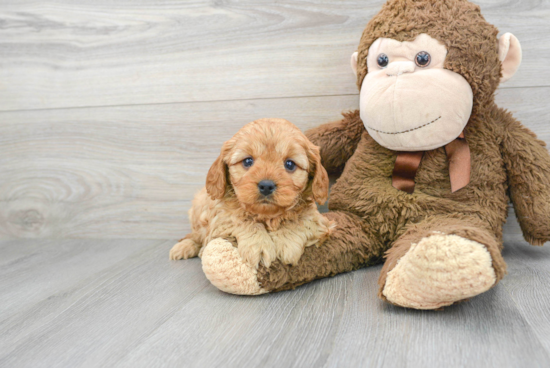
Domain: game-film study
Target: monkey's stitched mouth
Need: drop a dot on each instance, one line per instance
(405, 131)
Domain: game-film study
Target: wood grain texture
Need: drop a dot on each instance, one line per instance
(528, 283)
(146, 311)
(98, 319)
(122, 171)
(110, 116)
(103, 53)
(28, 268)
(131, 171)
(397, 337)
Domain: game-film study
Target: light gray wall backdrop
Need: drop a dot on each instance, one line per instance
(112, 111)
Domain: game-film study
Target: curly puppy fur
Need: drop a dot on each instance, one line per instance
(376, 221)
(264, 228)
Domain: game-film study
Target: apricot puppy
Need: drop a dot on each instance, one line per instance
(260, 194)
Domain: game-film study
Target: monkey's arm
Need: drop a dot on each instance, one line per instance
(337, 140)
(528, 167)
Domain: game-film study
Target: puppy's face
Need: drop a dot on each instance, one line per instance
(271, 166)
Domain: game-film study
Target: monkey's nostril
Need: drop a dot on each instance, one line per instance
(266, 187)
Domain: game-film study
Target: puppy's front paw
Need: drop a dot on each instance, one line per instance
(254, 253)
(250, 256)
(185, 249)
(289, 251)
(227, 271)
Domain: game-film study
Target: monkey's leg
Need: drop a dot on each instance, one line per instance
(440, 261)
(352, 245)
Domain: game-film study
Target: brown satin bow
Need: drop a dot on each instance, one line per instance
(458, 155)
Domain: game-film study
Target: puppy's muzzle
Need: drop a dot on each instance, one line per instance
(266, 187)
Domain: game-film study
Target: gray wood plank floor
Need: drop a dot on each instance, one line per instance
(103, 303)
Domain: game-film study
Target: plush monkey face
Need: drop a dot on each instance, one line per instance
(424, 66)
(409, 101)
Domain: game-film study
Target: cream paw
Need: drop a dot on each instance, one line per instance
(185, 249)
(439, 271)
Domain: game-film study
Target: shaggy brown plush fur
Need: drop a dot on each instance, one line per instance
(372, 217)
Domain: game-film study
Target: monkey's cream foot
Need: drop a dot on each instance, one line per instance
(185, 249)
(438, 271)
(227, 271)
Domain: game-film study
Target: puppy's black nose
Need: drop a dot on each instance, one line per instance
(266, 187)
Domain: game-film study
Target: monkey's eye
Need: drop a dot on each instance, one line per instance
(290, 166)
(423, 59)
(247, 162)
(382, 60)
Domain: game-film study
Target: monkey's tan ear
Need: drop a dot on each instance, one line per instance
(509, 53)
(353, 62)
(216, 180)
(320, 181)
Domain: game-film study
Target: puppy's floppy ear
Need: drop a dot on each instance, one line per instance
(216, 180)
(319, 184)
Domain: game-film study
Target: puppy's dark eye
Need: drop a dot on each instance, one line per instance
(290, 165)
(382, 60)
(247, 162)
(423, 59)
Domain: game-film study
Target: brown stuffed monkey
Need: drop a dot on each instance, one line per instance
(428, 165)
